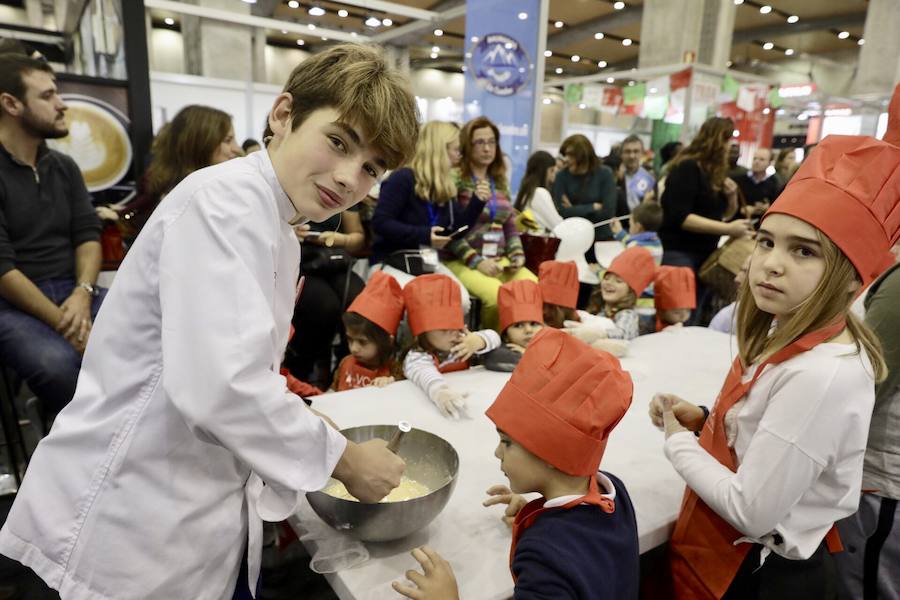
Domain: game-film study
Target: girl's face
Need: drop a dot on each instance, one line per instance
(226, 150)
(550, 177)
(521, 333)
(484, 146)
(443, 340)
(453, 153)
(363, 349)
(786, 265)
(673, 316)
(523, 469)
(613, 289)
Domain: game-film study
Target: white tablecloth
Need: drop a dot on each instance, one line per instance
(691, 362)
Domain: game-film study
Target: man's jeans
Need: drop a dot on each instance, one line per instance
(37, 353)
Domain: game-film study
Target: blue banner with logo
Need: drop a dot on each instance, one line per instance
(504, 73)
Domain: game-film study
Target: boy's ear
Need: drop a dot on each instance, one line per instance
(280, 115)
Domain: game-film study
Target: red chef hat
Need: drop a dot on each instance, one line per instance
(381, 302)
(562, 401)
(519, 301)
(636, 267)
(559, 283)
(433, 302)
(674, 287)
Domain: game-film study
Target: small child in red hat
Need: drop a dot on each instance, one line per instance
(441, 342)
(674, 296)
(521, 317)
(559, 290)
(554, 417)
(371, 324)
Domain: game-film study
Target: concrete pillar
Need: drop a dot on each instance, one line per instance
(670, 29)
(218, 49)
(35, 13)
(259, 54)
(879, 58)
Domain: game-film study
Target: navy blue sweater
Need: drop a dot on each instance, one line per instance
(401, 220)
(580, 553)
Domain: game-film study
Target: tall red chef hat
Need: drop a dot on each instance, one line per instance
(562, 401)
(433, 302)
(636, 267)
(848, 188)
(674, 287)
(559, 283)
(518, 301)
(381, 302)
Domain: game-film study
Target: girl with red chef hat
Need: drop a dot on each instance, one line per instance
(554, 416)
(779, 459)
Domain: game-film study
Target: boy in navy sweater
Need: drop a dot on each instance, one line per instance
(579, 540)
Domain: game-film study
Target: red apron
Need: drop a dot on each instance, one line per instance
(451, 367)
(531, 511)
(704, 557)
(352, 375)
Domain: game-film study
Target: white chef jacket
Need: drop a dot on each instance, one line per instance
(801, 438)
(150, 484)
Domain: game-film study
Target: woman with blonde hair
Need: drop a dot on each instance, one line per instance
(417, 207)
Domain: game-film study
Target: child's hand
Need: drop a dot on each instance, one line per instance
(437, 583)
(383, 381)
(615, 227)
(449, 401)
(617, 348)
(586, 332)
(467, 346)
(516, 348)
(686, 416)
(500, 494)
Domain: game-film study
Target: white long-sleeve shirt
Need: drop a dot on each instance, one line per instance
(419, 367)
(182, 435)
(800, 440)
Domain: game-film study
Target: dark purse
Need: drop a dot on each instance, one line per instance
(321, 260)
(411, 262)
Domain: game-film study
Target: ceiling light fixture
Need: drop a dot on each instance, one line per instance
(575, 58)
(343, 13)
(793, 19)
(738, 2)
(435, 49)
(768, 46)
(387, 22)
(294, 4)
(631, 83)
(434, 55)
(789, 52)
(618, 5)
(610, 80)
(373, 22)
(316, 11)
(844, 35)
(438, 32)
(861, 42)
(765, 9)
(301, 43)
(559, 70)
(558, 24)
(311, 27)
(523, 16)
(548, 53)
(602, 64)
(169, 21)
(626, 42)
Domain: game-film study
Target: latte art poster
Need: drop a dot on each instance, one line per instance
(98, 141)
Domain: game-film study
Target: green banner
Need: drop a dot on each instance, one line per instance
(574, 93)
(634, 94)
(774, 99)
(730, 86)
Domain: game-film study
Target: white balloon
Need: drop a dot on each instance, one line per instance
(576, 234)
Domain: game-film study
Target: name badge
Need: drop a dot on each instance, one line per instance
(490, 246)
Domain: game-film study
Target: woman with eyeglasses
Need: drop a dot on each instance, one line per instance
(585, 187)
(490, 253)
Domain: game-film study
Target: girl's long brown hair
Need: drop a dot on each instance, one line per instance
(709, 149)
(184, 145)
(828, 302)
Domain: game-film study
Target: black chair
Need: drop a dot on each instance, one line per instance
(13, 438)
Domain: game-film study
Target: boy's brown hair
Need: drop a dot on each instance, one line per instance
(358, 83)
(649, 215)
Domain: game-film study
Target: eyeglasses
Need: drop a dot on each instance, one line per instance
(484, 143)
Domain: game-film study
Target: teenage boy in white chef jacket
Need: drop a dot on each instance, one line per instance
(182, 437)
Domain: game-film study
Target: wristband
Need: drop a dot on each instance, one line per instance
(705, 416)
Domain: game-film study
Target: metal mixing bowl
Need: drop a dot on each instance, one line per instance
(429, 460)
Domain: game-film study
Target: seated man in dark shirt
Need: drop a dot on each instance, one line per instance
(759, 189)
(49, 238)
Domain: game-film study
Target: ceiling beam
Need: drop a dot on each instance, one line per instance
(264, 8)
(393, 8)
(769, 32)
(409, 33)
(571, 35)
